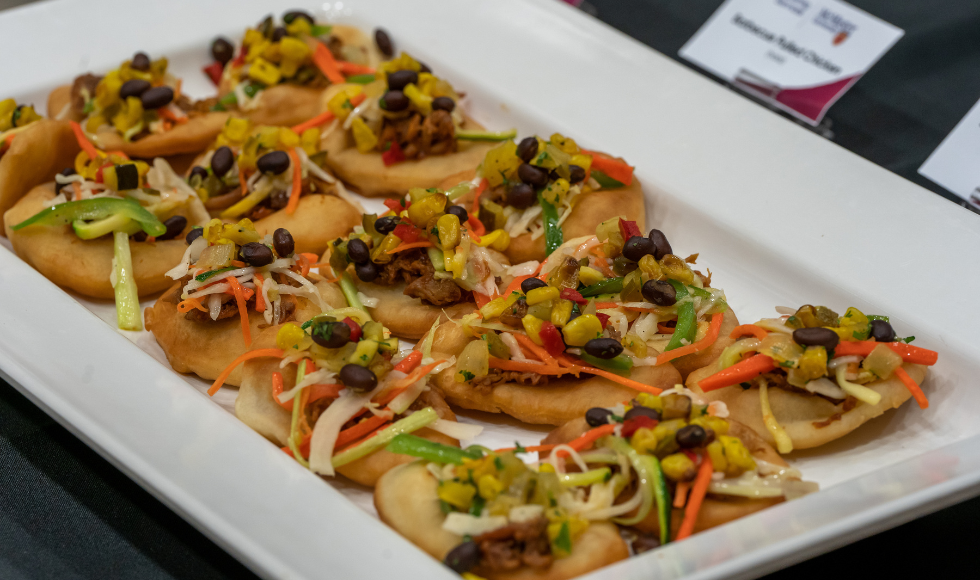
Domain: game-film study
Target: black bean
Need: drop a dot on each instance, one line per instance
(443, 104)
(691, 436)
(175, 225)
(532, 175)
(644, 543)
(366, 272)
(140, 62)
(527, 149)
(394, 101)
(133, 88)
(292, 15)
(358, 251)
(577, 174)
(139, 236)
(222, 50)
(222, 161)
(637, 246)
(641, 411)
(383, 41)
(198, 171)
(387, 224)
(463, 557)
(659, 292)
(157, 97)
(256, 254)
(597, 416)
(603, 348)
(282, 241)
(358, 378)
(330, 334)
(521, 196)
(193, 235)
(531, 284)
(67, 171)
(400, 79)
(278, 199)
(660, 241)
(278, 33)
(274, 162)
(458, 211)
(882, 331)
(816, 337)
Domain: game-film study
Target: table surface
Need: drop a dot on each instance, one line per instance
(66, 513)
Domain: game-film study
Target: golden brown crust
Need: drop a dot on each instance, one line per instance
(405, 316)
(689, 363)
(555, 403)
(190, 137)
(257, 409)
(406, 499)
(58, 100)
(367, 173)
(36, 154)
(206, 349)
(318, 220)
(85, 265)
(590, 210)
(802, 415)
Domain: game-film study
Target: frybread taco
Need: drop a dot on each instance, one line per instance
(807, 378)
(274, 176)
(233, 282)
(545, 192)
(404, 129)
(281, 69)
(332, 395)
(422, 264)
(32, 149)
(137, 109)
(106, 228)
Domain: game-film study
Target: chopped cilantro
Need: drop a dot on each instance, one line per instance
(786, 364)
(564, 540)
(518, 448)
(467, 375)
(877, 317)
(906, 340)
(308, 324)
(498, 463)
(476, 508)
(445, 507)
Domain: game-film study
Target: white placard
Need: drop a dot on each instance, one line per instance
(800, 55)
(955, 164)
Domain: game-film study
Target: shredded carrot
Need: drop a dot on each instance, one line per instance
(709, 339)
(909, 353)
(337, 449)
(305, 262)
(9, 139)
(403, 247)
(604, 305)
(480, 188)
(408, 381)
(238, 263)
(277, 388)
(83, 141)
(585, 440)
(359, 430)
(239, 293)
(635, 385)
(410, 362)
(913, 388)
(475, 228)
(259, 299)
(258, 353)
(321, 119)
(328, 65)
(614, 168)
(739, 372)
(531, 449)
(350, 68)
(538, 351)
(665, 329)
(515, 284)
(169, 115)
(481, 299)
(698, 491)
(186, 306)
(749, 330)
(293, 202)
(320, 391)
(680, 493)
(118, 154)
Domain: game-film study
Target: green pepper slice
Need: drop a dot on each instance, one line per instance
(553, 236)
(687, 319)
(607, 286)
(251, 89)
(416, 446)
(97, 208)
(620, 364)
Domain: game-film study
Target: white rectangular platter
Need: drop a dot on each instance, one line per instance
(779, 215)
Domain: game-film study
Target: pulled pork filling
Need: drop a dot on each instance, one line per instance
(515, 545)
(496, 377)
(276, 201)
(420, 137)
(229, 308)
(414, 268)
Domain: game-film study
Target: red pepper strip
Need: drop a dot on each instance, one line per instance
(393, 155)
(480, 188)
(325, 61)
(355, 329)
(277, 389)
(551, 339)
(749, 330)
(394, 205)
(477, 227)
(913, 388)
(409, 363)
(214, 71)
(585, 440)
(741, 372)
(83, 141)
(614, 168)
(258, 353)
(407, 233)
(909, 353)
(631, 426)
(698, 491)
(629, 229)
(603, 319)
(359, 430)
(574, 296)
(709, 339)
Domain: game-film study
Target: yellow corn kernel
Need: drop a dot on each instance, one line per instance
(421, 101)
(643, 440)
(556, 191)
(561, 313)
(583, 161)
(635, 344)
(264, 71)
(236, 129)
(678, 467)
(811, 365)
(716, 451)
(298, 27)
(576, 526)
(292, 336)
(293, 48)
(107, 91)
(252, 36)
(716, 424)
(650, 401)
(364, 137)
(457, 494)
(739, 458)
(546, 468)
(272, 53)
(490, 487)
(582, 330)
(498, 306)
(256, 50)
(310, 140)
(402, 62)
(854, 325)
(667, 428)
(539, 295)
(649, 266)
(288, 137)
(129, 114)
(532, 326)
(340, 104)
(501, 163)
(566, 144)
(589, 276)
(449, 231)
(424, 210)
(497, 239)
(676, 269)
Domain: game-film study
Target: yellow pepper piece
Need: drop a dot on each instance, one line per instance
(27, 116)
(288, 137)
(498, 306)
(716, 424)
(532, 326)
(363, 135)
(236, 129)
(448, 229)
(651, 401)
(739, 458)
(635, 344)
(298, 27)
(490, 487)
(501, 163)
(556, 191)
(457, 494)
(7, 108)
(129, 114)
(812, 365)
(427, 208)
(256, 50)
(583, 161)
(497, 239)
(422, 102)
(676, 269)
(310, 140)
(542, 294)
(340, 104)
(253, 36)
(561, 312)
(854, 325)
(264, 71)
(107, 91)
(566, 144)
(643, 440)
(294, 48)
(402, 62)
(590, 276)
(582, 329)
(291, 336)
(546, 468)
(679, 467)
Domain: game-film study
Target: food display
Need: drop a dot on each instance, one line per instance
(524, 274)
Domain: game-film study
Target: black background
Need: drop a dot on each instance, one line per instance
(67, 513)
